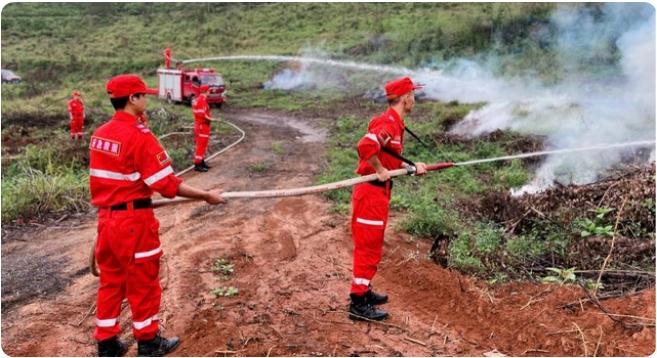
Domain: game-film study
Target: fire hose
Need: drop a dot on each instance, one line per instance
(92, 257)
(393, 173)
(279, 193)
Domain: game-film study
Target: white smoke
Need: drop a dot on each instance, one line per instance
(580, 110)
(606, 58)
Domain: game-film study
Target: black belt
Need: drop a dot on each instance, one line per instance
(380, 183)
(136, 204)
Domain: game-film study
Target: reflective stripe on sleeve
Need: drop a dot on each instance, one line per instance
(106, 174)
(158, 176)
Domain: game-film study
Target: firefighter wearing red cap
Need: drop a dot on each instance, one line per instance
(127, 164)
(370, 201)
(76, 115)
(202, 120)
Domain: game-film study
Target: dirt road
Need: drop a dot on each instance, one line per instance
(291, 262)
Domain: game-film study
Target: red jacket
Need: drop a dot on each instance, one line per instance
(127, 162)
(76, 107)
(386, 130)
(201, 109)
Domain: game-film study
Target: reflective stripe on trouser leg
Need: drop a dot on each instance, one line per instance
(144, 293)
(201, 146)
(111, 289)
(368, 248)
(369, 219)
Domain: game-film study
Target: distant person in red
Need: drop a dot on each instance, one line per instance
(167, 58)
(76, 115)
(202, 129)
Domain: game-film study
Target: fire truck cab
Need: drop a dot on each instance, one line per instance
(182, 85)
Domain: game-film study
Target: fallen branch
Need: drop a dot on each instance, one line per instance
(611, 248)
(611, 316)
(230, 352)
(413, 340)
(534, 350)
(595, 352)
(586, 351)
(628, 316)
(91, 309)
(605, 297)
(531, 299)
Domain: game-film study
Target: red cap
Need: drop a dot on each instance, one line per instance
(204, 88)
(126, 85)
(400, 87)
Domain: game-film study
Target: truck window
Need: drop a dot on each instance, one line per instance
(212, 80)
(196, 81)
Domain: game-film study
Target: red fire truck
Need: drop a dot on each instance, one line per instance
(182, 85)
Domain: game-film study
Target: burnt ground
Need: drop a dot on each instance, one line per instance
(291, 260)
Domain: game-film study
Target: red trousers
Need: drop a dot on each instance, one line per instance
(128, 254)
(76, 125)
(202, 137)
(369, 219)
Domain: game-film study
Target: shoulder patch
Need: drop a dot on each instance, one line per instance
(163, 157)
(106, 146)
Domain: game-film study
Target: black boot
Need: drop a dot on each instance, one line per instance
(376, 298)
(200, 168)
(157, 347)
(112, 348)
(360, 309)
(203, 163)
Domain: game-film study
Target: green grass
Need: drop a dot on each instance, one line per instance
(43, 182)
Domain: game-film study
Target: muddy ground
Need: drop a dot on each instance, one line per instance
(291, 260)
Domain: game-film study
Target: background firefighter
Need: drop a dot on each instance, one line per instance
(370, 201)
(202, 128)
(127, 163)
(76, 115)
(167, 57)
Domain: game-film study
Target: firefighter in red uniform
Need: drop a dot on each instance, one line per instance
(127, 163)
(202, 129)
(167, 58)
(76, 114)
(370, 201)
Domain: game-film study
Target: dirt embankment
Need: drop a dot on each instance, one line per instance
(291, 260)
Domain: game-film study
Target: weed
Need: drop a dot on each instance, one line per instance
(229, 291)
(259, 167)
(223, 267)
(277, 148)
(561, 276)
(597, 226)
